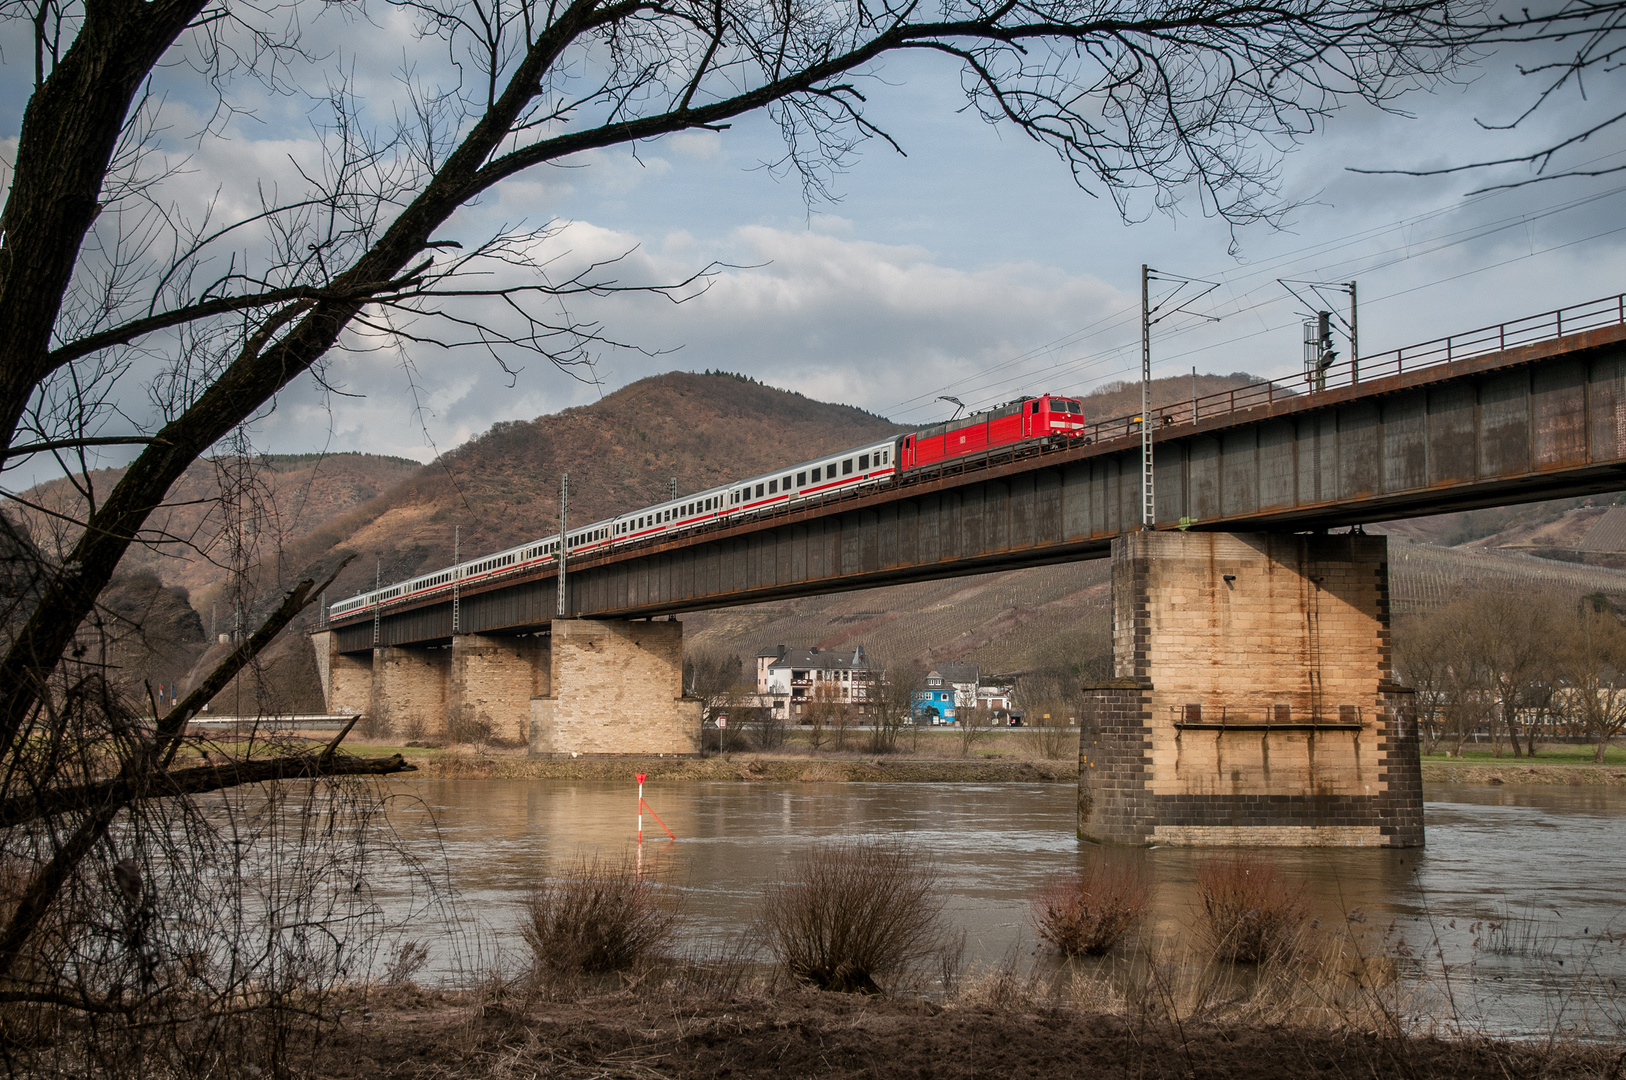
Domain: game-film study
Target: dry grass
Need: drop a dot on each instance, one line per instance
(852, 915)
(1249, 913)
(1088, 913)
(600, 916)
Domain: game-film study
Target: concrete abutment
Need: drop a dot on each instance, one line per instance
(493, 680)
(595, 687)
(1251, 702)
(617, 689)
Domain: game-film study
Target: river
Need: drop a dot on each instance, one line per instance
(1545, 865)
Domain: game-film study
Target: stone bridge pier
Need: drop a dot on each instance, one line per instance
(595, 687)
(1251, 702)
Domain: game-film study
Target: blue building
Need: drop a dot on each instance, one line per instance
(949, 687)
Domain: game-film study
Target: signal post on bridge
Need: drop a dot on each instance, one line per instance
(1252, 702)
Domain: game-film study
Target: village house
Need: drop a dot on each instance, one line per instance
(789, 679)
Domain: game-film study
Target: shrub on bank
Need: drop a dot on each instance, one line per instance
(853, 913)
(601, 916)
(1248, 912)
(1086, 914)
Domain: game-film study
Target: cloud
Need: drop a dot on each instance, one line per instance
(854, 321)
(700, 145)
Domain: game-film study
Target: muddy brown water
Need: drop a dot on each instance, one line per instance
(1512, 913)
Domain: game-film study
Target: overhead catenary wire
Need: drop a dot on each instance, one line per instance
(1029, 370)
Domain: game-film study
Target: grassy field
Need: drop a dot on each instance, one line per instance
(1546, 754)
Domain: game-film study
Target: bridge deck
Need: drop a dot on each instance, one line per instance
(1527, 410)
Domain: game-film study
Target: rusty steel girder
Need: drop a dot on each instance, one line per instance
(1541, 421)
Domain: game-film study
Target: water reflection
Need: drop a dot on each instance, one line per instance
(1546, 858)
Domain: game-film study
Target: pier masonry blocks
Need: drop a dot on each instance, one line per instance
(410, 692)
(1251, 702)
(596, 687)
(617, 689)
(493, 680)
(347, 680)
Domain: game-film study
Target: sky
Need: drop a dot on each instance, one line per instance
(971, 265)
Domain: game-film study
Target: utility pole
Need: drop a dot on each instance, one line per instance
(1148, 496)
(1354, 339)
(564, 499)
(1149, 318)
(378, 582)
(674, 488)
(457, 593)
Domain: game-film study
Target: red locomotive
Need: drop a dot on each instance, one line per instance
(1028, 418)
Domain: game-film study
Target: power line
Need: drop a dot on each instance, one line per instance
(1000, 379)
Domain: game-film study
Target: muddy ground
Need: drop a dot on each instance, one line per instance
(412, 1034)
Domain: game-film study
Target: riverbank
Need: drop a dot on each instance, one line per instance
(1518, 772)
(468, 763)
(404, 1032)
(459, 764)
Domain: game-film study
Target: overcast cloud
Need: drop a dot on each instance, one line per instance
(971, 267)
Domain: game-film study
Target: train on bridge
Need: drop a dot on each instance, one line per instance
(1031, 419)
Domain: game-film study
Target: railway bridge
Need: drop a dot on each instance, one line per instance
(1251, 701)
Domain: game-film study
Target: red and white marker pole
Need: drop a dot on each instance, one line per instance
(641, 809)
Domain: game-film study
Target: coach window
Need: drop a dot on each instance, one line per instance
(801, 479)
(886, 456)
(773, 486)
(846, 466)
(785, 483)
(759, 491)
(863, 462)
(815, 474)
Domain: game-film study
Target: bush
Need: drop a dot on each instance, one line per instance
(600, 917)
(853, 913)
(1250, 914)
(1088, 913)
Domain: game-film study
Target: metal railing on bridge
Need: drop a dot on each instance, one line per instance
(1548, 326)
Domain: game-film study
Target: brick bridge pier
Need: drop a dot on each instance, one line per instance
(1251, 701)
(584, 686)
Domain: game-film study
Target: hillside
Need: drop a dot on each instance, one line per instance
(621, 452)
(280, 500)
